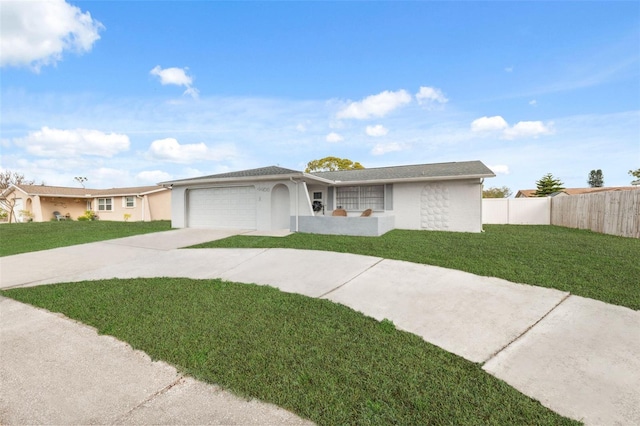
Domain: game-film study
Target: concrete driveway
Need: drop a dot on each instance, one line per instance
(577, 356)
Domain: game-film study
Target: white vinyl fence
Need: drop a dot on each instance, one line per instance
(516, 211)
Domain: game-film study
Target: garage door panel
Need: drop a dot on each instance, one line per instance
(233, 207)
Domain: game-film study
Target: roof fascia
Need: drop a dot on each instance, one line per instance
(153, 191)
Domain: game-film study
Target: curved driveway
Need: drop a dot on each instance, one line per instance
(578, 356)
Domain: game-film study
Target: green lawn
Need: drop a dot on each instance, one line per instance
(319, 359)
(585, 263)
(18, 238)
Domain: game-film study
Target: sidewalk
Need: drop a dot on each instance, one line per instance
(578, 356)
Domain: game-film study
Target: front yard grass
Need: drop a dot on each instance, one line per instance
(319, 359)
(16, 238)
(585, 263)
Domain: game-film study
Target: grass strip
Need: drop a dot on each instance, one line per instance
(16, 238)
(598, 266)
(318, 359)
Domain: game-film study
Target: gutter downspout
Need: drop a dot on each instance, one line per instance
(481, 209)
(297, 202)
(142, 200)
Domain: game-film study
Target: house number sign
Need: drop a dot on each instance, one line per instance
(263, 189)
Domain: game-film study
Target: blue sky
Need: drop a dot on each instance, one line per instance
(134, 93)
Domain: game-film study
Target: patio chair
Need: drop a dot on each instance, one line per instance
(366, 213)
(59, 216)
(339, 212)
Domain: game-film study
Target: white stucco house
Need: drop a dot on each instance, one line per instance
(443, 196)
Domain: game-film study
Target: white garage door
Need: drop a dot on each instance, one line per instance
(231, 207)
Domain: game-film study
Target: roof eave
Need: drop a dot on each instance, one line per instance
(240, 179)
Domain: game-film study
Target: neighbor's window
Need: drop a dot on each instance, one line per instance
(129, 202)
(105, 204)
(360, 197)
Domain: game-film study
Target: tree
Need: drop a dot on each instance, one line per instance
(636, 174)
(8, 178)
(495, 192)
(596, 179)
(548, 185)
(331, 164)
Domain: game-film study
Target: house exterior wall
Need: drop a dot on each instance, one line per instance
(299, 202)
(454, 205)
(159, 205)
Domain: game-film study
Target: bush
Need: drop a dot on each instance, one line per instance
(88, 215)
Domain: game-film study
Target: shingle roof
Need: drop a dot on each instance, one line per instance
(262, 171)
(459, 170)
(63, 191)
(242, 175)
(417, 171)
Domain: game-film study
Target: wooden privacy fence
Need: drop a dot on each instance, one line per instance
(611, 212)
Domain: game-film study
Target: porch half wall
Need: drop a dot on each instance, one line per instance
(372, 226)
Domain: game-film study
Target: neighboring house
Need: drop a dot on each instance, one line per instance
(39, 202)
(445, 196)
(530, 193)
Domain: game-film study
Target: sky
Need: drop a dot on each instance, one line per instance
(132, 93)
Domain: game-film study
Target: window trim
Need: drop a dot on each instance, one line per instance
(126, 205)
(102, 205)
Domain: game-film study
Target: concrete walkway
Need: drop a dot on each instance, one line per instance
(577, 356)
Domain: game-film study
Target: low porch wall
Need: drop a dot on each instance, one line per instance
(336, 225)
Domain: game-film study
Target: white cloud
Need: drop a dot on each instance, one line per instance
(334, 137)
(384, 148)
(508, 69)
(500, 169)
(152, 177)
(176, 76)
(377, 130)
(524, 129)
(375, 105)
(36, 33)
(60, 143)
(533, 102)
(429, 95)
(171, 150)
(488, 124)
(521, 129)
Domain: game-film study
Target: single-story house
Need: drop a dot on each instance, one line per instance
(530, 193)
(39, 202)
(444, 196)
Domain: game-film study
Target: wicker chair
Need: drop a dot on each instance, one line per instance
(366, 213)
(339, 212)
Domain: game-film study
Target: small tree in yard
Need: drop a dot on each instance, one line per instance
(494, 192)
(8, 178)
(548, 185)
(636, 174)
(596, 179)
